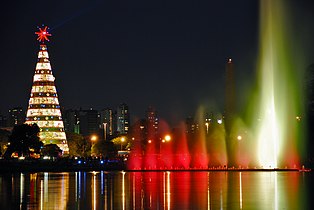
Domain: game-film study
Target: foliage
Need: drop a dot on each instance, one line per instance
(78, 145)
(23, 139)
(104, 148)
(119, 140)
(4, 139)
(51, 150)
(4, 135)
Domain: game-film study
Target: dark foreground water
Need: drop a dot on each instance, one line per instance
(157, 190)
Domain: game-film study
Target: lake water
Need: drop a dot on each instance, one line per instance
(158, 190)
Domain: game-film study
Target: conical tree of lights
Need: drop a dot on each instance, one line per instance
(43, 107)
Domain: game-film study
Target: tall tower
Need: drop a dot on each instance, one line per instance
(229, 110)
(230, 90)
(43, 106)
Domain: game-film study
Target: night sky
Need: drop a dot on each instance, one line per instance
(167, 54)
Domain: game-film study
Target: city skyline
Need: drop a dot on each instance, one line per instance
(168, 55)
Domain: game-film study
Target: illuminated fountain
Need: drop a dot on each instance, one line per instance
(268, 141)
(185, 148)
(279, 103)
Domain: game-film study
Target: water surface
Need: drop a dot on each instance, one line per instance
(157, 190)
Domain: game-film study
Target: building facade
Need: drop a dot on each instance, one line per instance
(108, 123)
(16, 116)
(123, 119)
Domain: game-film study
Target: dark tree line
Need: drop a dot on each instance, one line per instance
(24, 140)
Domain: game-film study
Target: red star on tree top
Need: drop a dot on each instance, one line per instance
(43, 34)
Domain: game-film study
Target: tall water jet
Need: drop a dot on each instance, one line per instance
(182, 154)
(278, 105)
(198, 148)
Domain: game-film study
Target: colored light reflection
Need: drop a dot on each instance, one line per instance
(94, 195)
(123, 190)
(21, 187)
(168, 192)
(158, 190)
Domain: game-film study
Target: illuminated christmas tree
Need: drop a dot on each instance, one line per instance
(43, 106)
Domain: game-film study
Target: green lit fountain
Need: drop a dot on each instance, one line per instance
(277, 113)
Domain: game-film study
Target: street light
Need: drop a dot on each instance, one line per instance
(167, 138)
(122, 140)
(162, 159)
(93, 140)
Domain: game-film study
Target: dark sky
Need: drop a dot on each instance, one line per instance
(169, 54)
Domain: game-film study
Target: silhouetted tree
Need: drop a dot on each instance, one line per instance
(23, 139)
(4, 139)
(104, 148)
(51, 150)
(78, 145)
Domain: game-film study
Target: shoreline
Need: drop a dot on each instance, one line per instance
(61, 165)
(73, 165)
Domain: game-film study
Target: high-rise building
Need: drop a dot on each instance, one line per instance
(16, 116)
(84, 122)
(108, 122)
(123, 119)
(191, 125)
(152, 120)
(71, 121)
(88, 121)
(43, 106)
(209, 118)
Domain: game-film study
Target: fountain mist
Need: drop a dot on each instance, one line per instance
(276, 119)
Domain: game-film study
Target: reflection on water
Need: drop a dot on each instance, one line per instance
(156, 190)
